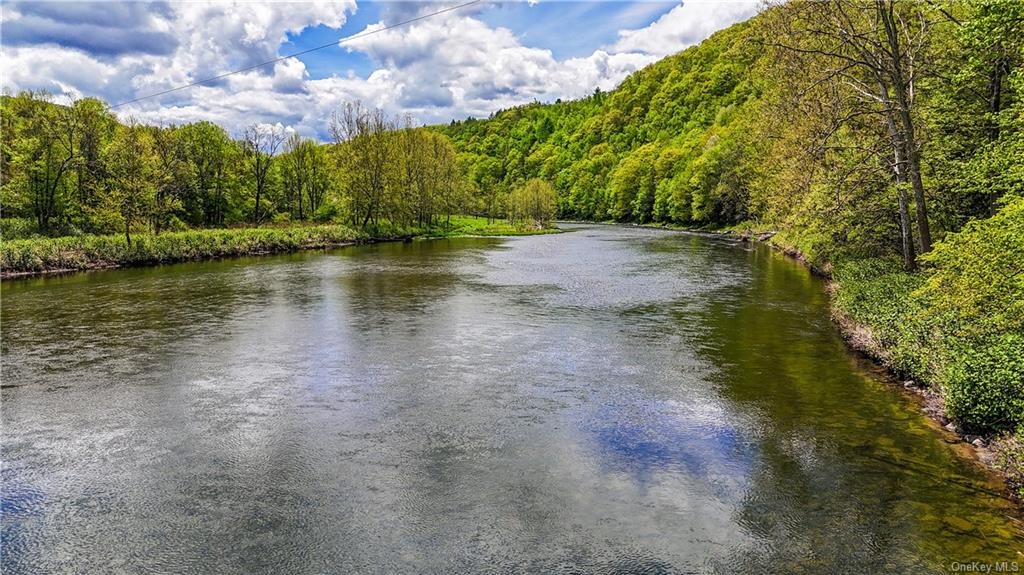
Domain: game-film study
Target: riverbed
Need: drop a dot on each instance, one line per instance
(607, 400)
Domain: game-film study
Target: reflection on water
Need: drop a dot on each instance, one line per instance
(610, 400)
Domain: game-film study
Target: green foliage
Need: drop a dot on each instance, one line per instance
(877, 294)
(975, 296)
(978, 275)
(17, 228)
(532, 203)
(92, 251)
(982, 380)
(73, 168)
(959, 326)
(599, 153)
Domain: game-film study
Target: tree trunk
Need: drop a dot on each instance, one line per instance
(995, 99)
(908, 136)
(921, 209)
(899, 167)
(256, 212)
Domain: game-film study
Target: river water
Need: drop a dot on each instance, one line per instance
(608, 400)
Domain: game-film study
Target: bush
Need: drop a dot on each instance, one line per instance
(983, 382)
(17, 228)
(878, 295)
(974, 295)
(328, 212)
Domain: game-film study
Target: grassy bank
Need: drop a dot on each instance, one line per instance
(85, 252)
(955, 328)
(477, 226)
(94, 252)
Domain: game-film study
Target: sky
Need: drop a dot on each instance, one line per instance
(471, 61)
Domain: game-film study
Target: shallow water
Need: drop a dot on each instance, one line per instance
(610, 400)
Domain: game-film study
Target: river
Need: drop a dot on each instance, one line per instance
(607, 400)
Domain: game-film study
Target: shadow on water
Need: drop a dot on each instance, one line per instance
(843, 459)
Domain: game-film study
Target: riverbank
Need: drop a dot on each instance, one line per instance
(968, 379)
(31, 256)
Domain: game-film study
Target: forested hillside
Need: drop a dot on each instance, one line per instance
(669, 145)
(780, 121)
(882, 141)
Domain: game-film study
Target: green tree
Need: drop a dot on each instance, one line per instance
(133, 176)
(532, 202)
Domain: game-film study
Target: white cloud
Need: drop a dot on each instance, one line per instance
(444, 67)
(685, 25)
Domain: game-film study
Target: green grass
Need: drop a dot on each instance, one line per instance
(69, 253)
(479, 226)
(93, 251)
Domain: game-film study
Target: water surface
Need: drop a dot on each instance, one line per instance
(609, 400)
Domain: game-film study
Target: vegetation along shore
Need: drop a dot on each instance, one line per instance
(28, 256)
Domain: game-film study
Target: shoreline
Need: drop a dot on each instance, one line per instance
(860, 340)
(102, 266)
(83, 253)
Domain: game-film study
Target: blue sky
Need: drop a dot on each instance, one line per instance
(472, 61)
(542, 25)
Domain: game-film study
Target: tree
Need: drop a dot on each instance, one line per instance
(449, 186)
(364, 157)
(876, 50)
(260, 143)
(318, 179)
(534, 201)
(295, 169)
(96, 128)
(132, 175)
(211, 155)
(43, 154)
(173, 175)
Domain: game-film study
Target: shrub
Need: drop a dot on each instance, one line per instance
(959, 325)
(17, 228)
(983, 382)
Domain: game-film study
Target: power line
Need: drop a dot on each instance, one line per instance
(307, 51)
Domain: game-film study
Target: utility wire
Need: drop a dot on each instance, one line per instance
(307, 51)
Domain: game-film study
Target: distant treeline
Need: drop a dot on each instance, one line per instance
(75, 169)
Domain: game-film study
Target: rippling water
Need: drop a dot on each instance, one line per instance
(609, 400)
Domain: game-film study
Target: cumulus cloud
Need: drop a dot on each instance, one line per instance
(456, 65)
(685, 25)
(98, 28)
(448, 66)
